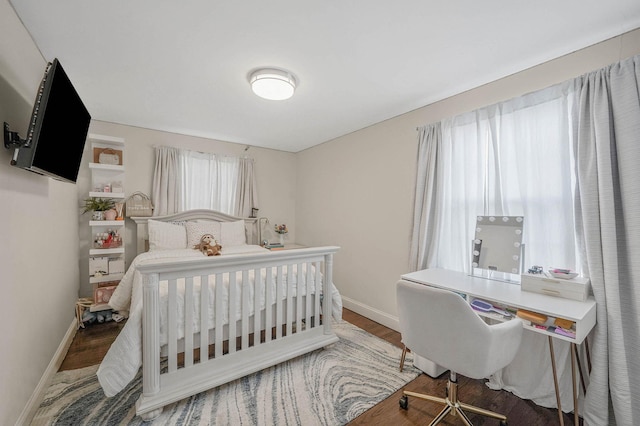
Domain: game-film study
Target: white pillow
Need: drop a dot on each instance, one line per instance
(166, 236)
(195, 231)
(233, 234)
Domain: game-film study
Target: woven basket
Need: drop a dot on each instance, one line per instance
(138, 204)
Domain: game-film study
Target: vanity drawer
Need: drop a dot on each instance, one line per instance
(576, 288)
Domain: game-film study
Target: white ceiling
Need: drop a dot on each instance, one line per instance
(182, 66)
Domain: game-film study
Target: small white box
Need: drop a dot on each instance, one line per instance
(577, 288)
(116, 266)
(98, 265)
(427, 366)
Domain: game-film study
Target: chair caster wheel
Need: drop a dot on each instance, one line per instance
(503, 423)
(404, 402)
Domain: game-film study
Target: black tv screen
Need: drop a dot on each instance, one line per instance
(57, 130)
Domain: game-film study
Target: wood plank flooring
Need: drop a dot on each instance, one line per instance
(91, 344)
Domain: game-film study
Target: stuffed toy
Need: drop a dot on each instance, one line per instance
(208, 245)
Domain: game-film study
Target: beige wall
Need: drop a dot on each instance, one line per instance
(39, 249)
(275, 171)
(357, 191)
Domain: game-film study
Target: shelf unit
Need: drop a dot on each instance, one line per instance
(107, 181)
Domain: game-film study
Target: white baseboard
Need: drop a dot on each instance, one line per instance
(371, 313)
(38, 394)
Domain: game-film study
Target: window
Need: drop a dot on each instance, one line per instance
(186, 180)
(511, 159)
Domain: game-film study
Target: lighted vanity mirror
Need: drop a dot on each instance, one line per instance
(497, 245)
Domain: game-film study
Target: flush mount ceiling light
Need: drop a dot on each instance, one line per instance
(272, 83)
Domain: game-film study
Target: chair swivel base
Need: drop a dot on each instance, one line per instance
(451, 406)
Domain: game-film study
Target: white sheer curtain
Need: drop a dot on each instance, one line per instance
(200, 180)
(512, 158)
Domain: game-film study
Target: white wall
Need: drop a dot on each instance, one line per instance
(275, 171)
(357, 191)
(39, 237)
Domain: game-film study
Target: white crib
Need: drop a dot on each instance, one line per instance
(271, 307)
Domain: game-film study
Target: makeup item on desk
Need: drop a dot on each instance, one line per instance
(564, 323)
(564, 332)
(483, 306)
(534, 317)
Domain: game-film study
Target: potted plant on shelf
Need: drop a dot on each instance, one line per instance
(99, 207)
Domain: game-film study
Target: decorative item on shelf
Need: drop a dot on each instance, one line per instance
(138, 204)
(254, 212)
(281, 230)
(116, 187)
(119, 208)
(107, 156)
(110, 214)
(97, 206)
(109, 239)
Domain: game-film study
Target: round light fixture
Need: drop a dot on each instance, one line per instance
(272, 83)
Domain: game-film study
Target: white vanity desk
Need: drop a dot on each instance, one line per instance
(509, 295)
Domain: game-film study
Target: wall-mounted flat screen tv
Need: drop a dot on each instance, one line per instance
(57, 130)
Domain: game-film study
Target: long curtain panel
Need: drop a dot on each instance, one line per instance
(606, 131)
(246, 197)
(166, 181)
(426, 196)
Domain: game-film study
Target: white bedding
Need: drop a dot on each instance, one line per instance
(124, 357)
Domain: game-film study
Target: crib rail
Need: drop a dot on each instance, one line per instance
(267, 310)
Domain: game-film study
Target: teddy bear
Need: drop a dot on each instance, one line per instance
(208, 245)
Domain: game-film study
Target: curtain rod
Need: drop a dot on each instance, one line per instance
(245, 156)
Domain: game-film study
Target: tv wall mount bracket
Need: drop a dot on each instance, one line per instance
(13, 140)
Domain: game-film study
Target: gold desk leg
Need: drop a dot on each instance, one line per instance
(573, 350)
(582, 382)
(404, 355)
(555, 380)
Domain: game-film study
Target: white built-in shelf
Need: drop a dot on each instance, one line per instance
(113, 223)
(100, 252)
(109, 140)
(105, 278)
(109, 167)
(106, 194)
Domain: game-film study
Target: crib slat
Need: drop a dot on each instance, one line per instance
(188, 322)
(204, 315)
(268, 298)
(219, 314)
(279, 284)
(317, 290)
(299, 286)
(257, 295)
(289, 299)
(245, 308)
(308, 291)
(233, 302)
(172, 326)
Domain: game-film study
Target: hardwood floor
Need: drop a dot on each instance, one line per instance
(91, 344)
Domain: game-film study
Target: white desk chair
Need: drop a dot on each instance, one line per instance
(441, 326)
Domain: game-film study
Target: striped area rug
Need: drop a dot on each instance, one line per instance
(329, 386)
